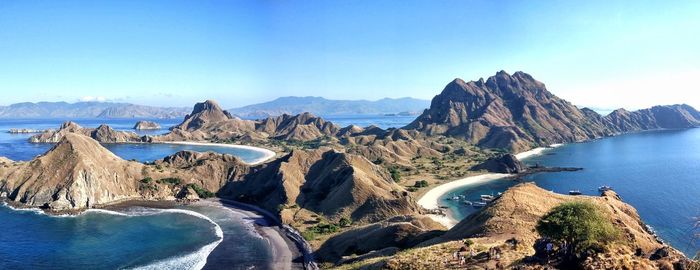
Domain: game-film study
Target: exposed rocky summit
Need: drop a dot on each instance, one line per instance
(517, 113)
(507, 163)
(204, 113)
(103, 134)
(146, 125)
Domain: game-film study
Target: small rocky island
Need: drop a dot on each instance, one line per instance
(146, 125)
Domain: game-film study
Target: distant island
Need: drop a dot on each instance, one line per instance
(329, 107)
(88, 110)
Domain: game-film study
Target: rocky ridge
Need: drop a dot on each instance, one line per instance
(517, 113)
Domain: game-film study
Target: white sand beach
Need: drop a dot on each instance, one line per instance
(536, 151)
(268, 154)
(431, 199)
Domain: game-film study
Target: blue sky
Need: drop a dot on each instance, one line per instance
(603, 54)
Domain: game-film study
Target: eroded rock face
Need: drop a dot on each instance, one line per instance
(146, 125)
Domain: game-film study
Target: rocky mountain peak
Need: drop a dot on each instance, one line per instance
(70, 125)
(204, 112)
(79, 147)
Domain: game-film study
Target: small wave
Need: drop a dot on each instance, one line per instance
(195, 260)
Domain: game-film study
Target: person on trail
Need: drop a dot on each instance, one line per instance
(549, 249)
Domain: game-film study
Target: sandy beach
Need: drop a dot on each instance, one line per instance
(536, 151)
(431, 199)
(268, 154)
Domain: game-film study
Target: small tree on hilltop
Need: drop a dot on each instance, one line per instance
(581, 226)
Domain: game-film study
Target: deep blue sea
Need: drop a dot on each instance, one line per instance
(656, 172)
(135, 237)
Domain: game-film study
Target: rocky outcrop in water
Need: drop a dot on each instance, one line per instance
(146, 125)
(103, 134)
(507, 163)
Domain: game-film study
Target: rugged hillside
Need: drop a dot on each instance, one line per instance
(76, 173)
(328, 107)
(378, 239)
(87, 110)
(512, 219)
(511, 112)
(79, 173)
(301, 127)
(517, 112)
(657, 117)
(103, 134)
(333, 184)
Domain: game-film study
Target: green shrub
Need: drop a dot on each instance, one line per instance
(308, 235)
(324, 228)
(170, 181)
(147, 180)
(344, 222)
(421, 184)
(395, 175)
(201, 192)
(581, 225)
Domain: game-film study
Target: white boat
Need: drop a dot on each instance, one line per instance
(478, 204)
(575, 192)
(456, 198)
(468, 202)
(604, 188)
(487, 198)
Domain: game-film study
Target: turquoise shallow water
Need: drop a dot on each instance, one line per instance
(656, 172)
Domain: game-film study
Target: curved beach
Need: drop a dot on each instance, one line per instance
(267, 153)
(431, 199)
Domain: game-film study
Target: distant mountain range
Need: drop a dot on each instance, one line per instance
(328, 107)
(88, 110)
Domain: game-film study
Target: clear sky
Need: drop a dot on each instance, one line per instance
(603, 54)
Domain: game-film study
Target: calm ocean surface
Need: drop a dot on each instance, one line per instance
(656, 172)
(135, 237)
